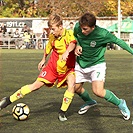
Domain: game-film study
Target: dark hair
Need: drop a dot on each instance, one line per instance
(88, 19)
(71, 23)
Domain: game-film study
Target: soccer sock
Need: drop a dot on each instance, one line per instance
(68, 96)
(20, 93)
(85, 96)
(111, 97)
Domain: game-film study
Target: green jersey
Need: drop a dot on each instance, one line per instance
(94, 45)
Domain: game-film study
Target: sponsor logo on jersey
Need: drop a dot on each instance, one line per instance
(92, 43)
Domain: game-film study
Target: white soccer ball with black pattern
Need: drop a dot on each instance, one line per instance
(21, 111)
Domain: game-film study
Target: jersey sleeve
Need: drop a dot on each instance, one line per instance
(76, 32)
(49, 44)
(120, 43)
(70, 37)
(124, 45)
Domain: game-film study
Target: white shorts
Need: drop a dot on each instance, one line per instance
(93, 73)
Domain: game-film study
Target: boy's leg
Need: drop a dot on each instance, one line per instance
(68, 96)
(98, 89)
(121, 103)
(85, 96)
(17, 95)
(89, 102)
(83, 76)
(20, 93)
(67, 99)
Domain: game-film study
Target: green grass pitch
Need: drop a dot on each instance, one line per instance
(19, 67)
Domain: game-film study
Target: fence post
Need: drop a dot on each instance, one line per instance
(8, 43)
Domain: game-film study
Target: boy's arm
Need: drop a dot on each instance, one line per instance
(124, 45)
(75, 33)
(70, 48)
(119, 42)
(47, 50)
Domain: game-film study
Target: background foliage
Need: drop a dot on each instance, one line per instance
(66, 8)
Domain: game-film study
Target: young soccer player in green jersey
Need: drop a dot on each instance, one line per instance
(90, 66)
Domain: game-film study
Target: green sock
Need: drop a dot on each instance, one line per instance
(111, 97)
(85, 96)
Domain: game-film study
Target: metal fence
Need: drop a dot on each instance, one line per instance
(8, 42)
(19, 43)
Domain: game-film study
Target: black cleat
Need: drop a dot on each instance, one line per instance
(4, 102)
(62, 116)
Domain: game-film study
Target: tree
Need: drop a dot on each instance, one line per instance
(65, 8)
(111, 7)
(69, 8)
(75, 8)
(18, 8)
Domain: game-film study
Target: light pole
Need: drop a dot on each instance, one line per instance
(119, 21)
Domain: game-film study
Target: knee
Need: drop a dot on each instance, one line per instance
(71, 87)
(71, 84)
(71, 81)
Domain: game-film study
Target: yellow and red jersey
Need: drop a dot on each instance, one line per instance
(56, 69)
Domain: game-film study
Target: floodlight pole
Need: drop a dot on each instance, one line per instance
(119, 21)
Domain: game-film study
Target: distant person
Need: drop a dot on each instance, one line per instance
(33, 38)
(90, 64)
(16, 38)
(26, 39)
(16, 33)
(44, 38)
(111, 46)
(25, 28)
(1, 37)
(0, 30)
(71, 25)
(3, 28)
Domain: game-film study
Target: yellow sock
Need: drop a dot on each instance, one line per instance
(20, 93)
(68, 96)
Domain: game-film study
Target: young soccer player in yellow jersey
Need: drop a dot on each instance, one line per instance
(59, 68)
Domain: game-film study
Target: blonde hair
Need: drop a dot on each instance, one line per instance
(55, 19)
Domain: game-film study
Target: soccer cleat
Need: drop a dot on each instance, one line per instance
(86, 106)
(124, 109)
(4, 102)
(62, 116)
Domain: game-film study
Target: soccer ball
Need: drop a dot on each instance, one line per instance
(21, 111)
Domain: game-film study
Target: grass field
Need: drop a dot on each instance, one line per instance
(19, 67)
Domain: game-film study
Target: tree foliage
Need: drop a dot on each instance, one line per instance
(111, 8)
(66, 8)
